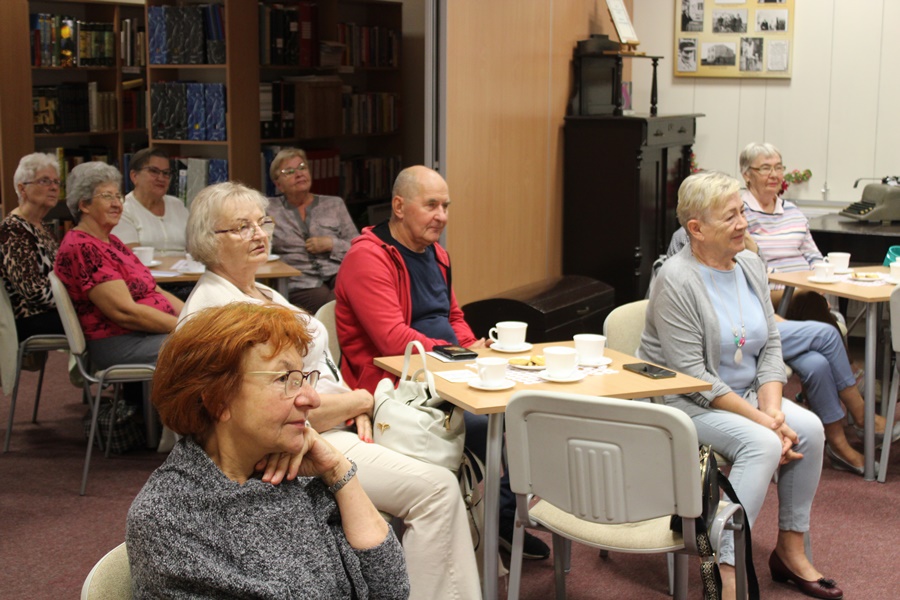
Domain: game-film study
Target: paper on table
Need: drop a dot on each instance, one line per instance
(457, 376)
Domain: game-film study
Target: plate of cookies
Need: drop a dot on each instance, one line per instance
(535, 362)
(867, 276)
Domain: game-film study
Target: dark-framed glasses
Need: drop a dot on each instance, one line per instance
(246, 229)
(767, 169)
(44, 181)
(158, 172)
(109, 196)
(293, 380)
(301, 167)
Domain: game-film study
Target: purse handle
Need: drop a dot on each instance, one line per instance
(407, 358)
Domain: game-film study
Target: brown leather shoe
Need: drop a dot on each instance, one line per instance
(823, 588)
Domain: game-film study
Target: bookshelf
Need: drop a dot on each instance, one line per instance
(100, 132)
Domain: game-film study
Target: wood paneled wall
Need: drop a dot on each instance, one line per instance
(509, 80)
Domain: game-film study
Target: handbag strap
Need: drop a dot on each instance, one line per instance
(752, 581)
(407, 359)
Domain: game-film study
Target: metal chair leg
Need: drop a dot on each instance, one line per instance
(95, 412)
(37, 394)
(12, 402)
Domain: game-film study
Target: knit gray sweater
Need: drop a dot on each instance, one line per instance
(194, 533)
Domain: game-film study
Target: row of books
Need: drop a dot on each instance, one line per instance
(187, 111)
(370, 113)
(62, 41)
(70, 157)
(186, 35)
(288, 34)
(324, 166)
(304, 107)
(369, 46)
(190, 175)
(73, 107)
(133, 40)
(369, 177)
(134, 109)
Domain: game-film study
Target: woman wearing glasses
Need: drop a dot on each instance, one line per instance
(125, 315)
(28, 248)
(150, 217)
(229, 232)
(312, 232)
(234, 381)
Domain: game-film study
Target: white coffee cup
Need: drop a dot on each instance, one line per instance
(491, 370)
(589, 347)
(144, 254)
(560, 361)
(895, 271)
(840, 260)
(823, 270)
(509, 334)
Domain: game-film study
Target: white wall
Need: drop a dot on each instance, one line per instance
(838, 116)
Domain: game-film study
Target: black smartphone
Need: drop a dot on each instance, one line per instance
(455, 352)
(651, 371)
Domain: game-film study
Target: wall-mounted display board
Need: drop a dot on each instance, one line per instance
(734, 38)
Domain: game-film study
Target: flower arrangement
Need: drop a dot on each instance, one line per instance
(797, 176)
(695, 168)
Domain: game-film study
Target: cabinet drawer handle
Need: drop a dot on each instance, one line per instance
(658, 133)
(682, 130)
(582, 311)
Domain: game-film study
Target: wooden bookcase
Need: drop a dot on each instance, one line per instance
(17, 136)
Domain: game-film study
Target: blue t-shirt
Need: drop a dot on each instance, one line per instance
(429, 293)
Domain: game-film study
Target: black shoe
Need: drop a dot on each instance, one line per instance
(532, 547)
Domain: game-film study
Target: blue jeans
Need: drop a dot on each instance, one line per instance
(755, 452)
(816, 352)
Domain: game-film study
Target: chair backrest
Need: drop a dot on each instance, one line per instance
(9, 341)
(110, 579)
(603, 460)
(895, 319)
(624, 325)
(68, 316)
(326, 315)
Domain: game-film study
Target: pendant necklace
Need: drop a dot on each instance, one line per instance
(739, 340)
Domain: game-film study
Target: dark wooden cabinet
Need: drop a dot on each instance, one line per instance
(620, 191)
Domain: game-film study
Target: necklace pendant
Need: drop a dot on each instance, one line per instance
(738, 356)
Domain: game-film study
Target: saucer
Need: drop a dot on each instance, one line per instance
(523, 347)
(479, 385)
(154, 263)
(528, 367)
(601, 362)
(272, 257)
(843, 271)
(890, 280)
(817, 279)
(577, 375)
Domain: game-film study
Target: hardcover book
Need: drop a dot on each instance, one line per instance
(218, 170)
(158, 93)
(215, 112)
(195, 42)
(174, 111)
(156, 35)
(196, 111)
(175, 34)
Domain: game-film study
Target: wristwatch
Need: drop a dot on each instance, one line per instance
(351, 472)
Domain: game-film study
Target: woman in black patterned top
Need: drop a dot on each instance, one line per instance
(28, 249)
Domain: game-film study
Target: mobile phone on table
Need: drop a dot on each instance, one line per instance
(651, 371)
(454, 352)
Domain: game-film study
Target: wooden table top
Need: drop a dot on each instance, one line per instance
(623, 384)
(271, 270)
(845, 288)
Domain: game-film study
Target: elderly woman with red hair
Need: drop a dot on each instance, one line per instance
(231, 380)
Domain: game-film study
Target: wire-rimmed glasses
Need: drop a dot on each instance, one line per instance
(293, 380)
(246, 228)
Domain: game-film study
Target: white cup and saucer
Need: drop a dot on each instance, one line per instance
(841, 262)
(491, 374)
(561, 364)
(509, 336)
(895, 273)
(145, 255)
(590, 347)
(823, 272)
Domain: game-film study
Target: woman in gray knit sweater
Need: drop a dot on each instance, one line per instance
(207, 523)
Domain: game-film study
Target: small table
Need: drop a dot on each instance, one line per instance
(623, 384)
(872, 297)
(274, 269)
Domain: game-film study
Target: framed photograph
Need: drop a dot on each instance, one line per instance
(734, 38)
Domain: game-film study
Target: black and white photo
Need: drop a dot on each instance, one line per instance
(719, 54)
(691, 15)
(771, 20)
(751, 54)
(687, 55)
(729, 21)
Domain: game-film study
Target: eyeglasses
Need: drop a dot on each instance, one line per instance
(301, 167)
(158, 172)
(246, 229)
(44, 181)
(109, 196)
(293, 380)
(767, 169)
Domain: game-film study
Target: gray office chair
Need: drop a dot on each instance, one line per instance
(110, 579)
(114, 375)
(12, 355)
(326, 315)
(891, 412)
(610, 474)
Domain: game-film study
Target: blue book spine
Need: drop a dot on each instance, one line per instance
(218, 170)
(156, 35)
(215, 112)
(196, 111)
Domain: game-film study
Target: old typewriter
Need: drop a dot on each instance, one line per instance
(879, 202)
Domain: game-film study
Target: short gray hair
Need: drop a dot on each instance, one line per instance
(29, 165)
(754, 150)
(283, 155)
(702, 192)
(210, 205)
(84, 179)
